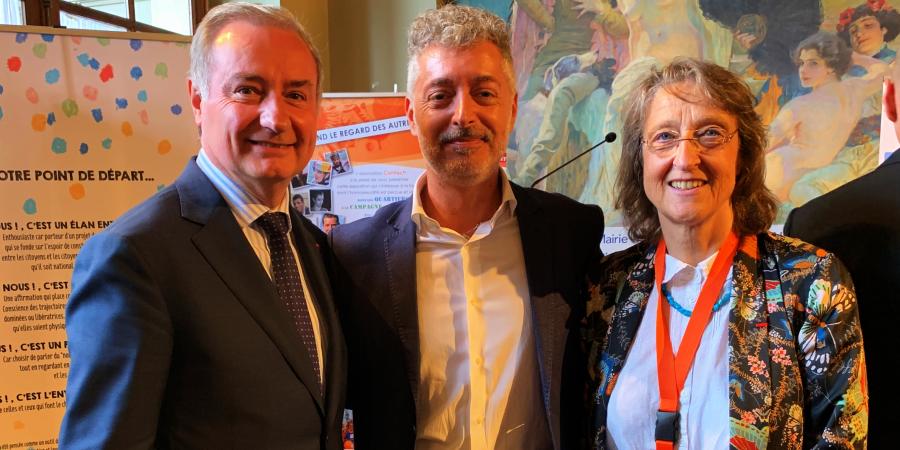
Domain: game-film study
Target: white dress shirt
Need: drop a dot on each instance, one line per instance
(246, 209)
(703, 403)
(474, 317)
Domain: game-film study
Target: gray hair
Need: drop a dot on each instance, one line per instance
(455, 26)
(754, 205)
(259, 15)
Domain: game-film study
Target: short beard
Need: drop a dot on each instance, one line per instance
(463, 171)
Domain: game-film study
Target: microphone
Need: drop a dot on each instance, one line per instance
(610, 137)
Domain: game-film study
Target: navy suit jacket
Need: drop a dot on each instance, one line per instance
(178, 338)
(860, 223)
(376, 288)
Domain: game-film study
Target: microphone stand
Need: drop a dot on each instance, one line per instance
(610, 137)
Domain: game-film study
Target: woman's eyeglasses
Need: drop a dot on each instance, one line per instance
(707, 138)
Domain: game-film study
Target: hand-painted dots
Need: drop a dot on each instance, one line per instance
(14, 63)
(39, 50)
(1, 89)
(106, 143)
(1, 112)
(21, 37)
(136, 44)
(176, 109)
(69, 107)
(52, 76)
(136, 73)
(164, 147)
(51, 118)
(29, 207)
(142, 96)
(90, 92)
(103, 41)
(47, 37)
(121, 103)
(97, 114)
(145, 118)
(126, 129)
(38, 122)
(94, 63)
(84, 59)
(83, 148)
(31, 95)
(58, 146)
(76, 191)
(106, 73)
(161, 70)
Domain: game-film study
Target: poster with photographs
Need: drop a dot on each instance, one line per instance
(365, 159)
(318, 173)
(340, 162)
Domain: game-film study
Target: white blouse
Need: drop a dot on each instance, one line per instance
(703, 404)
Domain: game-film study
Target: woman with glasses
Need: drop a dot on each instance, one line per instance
(711, 332)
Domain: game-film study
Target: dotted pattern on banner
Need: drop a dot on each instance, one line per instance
(287, 281)
(90, 98)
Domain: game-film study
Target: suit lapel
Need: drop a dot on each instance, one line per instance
(225, 247)
(549, 309)
(400, 263)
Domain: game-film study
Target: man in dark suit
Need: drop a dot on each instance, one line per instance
(203, 318)
(461, 304)
(860, 223)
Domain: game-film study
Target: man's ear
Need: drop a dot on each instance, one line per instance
(196, 100)
(410, 116)
(889, 100)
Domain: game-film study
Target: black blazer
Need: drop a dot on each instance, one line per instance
(179, 340)
(860, 223)
(377, 302)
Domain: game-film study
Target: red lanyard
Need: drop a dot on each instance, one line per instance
(672, 369)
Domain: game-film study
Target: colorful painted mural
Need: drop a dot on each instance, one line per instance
(815, 66)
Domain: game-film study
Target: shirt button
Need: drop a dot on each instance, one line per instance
(478, 361)
(479, 421)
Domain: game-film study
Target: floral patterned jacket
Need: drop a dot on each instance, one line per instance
(796, 365)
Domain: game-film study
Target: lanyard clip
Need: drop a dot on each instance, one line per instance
(667, 426)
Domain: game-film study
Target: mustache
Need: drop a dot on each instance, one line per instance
(457, 133)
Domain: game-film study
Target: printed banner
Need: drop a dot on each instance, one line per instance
(89, 127)
(365, 159)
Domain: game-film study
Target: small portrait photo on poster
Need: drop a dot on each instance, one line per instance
(319, 173)
(299, 180)
(340, 161)
(319, 200)
(329, 221)
(300, 201)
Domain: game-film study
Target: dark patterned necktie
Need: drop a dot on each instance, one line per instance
(287, 281)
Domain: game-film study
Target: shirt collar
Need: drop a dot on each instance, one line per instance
(245, 206)
(675, 266)
(507, 201)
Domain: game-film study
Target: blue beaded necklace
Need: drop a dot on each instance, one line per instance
(723, 299)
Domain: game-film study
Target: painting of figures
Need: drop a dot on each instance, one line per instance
(815, 66)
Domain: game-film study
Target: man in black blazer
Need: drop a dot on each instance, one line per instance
(203, 318)
(462, 304)
(860, 223)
